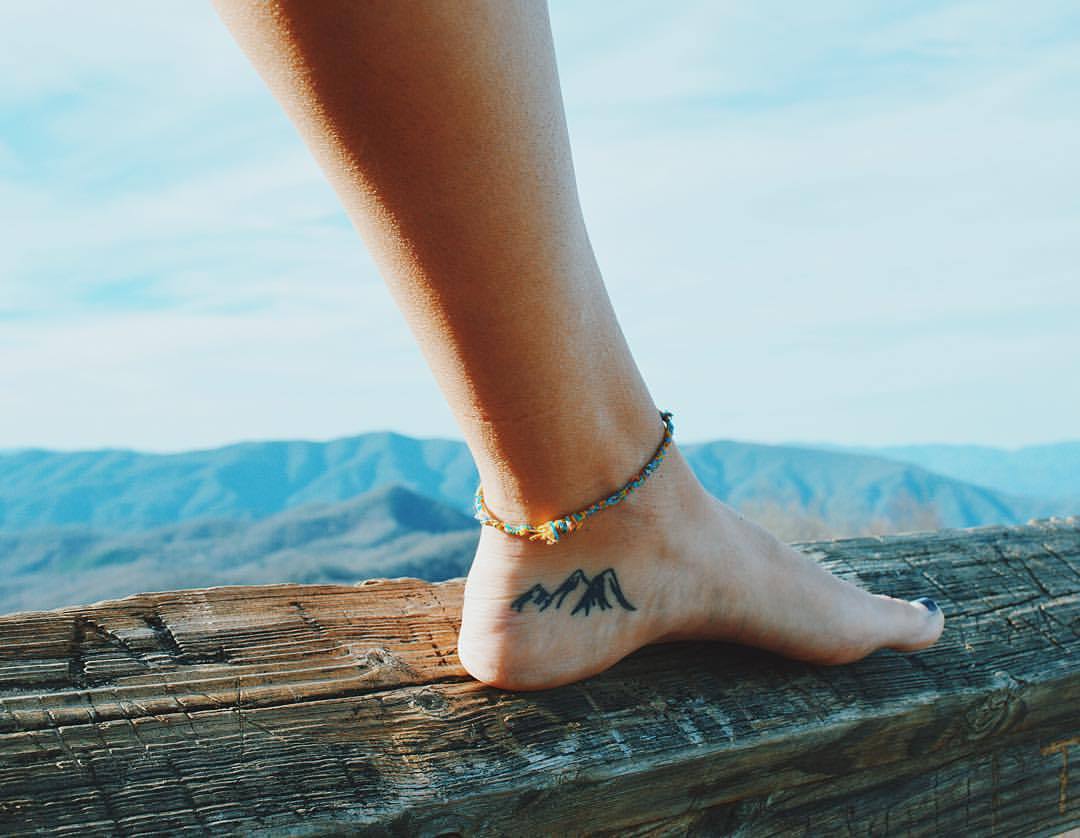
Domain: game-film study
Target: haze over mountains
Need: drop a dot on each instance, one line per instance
(120, 489)
(81, 526)
(387, 532)
(1039, 470)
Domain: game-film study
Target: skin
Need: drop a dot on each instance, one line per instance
(441, 128)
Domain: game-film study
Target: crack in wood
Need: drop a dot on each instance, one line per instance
(1066, 566)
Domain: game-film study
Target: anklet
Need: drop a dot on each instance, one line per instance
(552, 531)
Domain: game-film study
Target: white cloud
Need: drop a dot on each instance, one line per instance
(832, 221)
(53, 47)
(853, 263)
(175, 380)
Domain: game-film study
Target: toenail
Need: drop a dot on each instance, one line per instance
(928, 603)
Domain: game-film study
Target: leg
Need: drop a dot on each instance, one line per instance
(441, 128)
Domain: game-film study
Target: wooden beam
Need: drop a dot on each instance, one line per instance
(312, 709)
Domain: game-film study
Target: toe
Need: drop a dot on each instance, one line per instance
(910, 625)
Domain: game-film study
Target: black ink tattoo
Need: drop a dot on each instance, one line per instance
(595, 594)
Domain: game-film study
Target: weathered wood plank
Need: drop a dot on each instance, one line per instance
(984, 793)
(312, 709)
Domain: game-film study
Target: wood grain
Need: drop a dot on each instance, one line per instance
(318, 709)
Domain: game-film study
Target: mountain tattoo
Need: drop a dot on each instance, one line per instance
(595, 594)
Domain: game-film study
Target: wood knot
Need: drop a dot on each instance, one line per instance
(432, 702)
(376, 658)
(381, 658)
(996, 712)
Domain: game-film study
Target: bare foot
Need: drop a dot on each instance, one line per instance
(668, 563)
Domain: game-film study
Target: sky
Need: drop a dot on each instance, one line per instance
(841, 222)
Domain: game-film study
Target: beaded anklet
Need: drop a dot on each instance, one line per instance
(551, 531)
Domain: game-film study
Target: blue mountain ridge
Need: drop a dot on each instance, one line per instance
(1036, 470)
(120, 490)
(388, 532)
(80, 526)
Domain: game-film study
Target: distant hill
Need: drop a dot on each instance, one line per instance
(124, 490)
(117, 490)
(1049, 471)
(851, 493)
(389, 532)
(90, 525)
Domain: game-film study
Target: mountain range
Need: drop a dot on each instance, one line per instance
(77, 526)
(387, 532)
(129, 490)
(1039, 470)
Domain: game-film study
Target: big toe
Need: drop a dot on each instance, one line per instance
(910, 625)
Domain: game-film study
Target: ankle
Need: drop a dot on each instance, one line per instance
(548, 466)
(655, 520)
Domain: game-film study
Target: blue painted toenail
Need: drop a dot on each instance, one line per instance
(931, 606)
